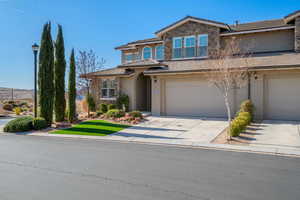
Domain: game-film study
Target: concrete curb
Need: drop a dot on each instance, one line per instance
(190, 144)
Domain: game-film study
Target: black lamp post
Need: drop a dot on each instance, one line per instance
(35, 49)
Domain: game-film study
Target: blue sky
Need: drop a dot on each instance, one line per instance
(102, 25)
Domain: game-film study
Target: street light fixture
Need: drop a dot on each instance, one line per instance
(35, 49)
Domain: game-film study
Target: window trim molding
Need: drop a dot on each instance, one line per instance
(187, 37)
(150, 52)
(163, 53)
(125, 54)
(199, 39)
(173, 42)
(107, 89)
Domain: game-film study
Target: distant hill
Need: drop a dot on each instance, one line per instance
(6, 93)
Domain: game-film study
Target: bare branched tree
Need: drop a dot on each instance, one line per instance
(229, 71)
(87, 62)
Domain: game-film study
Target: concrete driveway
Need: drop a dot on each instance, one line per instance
(281, 134)
(173, 130)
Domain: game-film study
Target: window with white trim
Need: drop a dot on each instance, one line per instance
(202, 45)
(159, 52)
(128, 57)
(108, 88)
(177, 47)
(147, 53)
(189, 46)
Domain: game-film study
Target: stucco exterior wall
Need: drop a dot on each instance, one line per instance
(297, 34)
(265, 41)
(127, 86)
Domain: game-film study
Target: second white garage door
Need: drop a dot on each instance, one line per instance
(193, 98)
(282, 98)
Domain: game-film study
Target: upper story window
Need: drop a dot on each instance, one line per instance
(147, 53)
(177, 47)
(128, 57)
(159, 52)
(108, 88)
(189, 46)
(202, 45)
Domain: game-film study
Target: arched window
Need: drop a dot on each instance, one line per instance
(159, 52)
(147, 53)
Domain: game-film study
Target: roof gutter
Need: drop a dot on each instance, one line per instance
(197, 71)
(258, 30)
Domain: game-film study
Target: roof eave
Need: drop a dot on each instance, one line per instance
(291, 16)
(189, 18)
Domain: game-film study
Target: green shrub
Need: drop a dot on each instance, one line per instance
(8, 107)
(91, 103)
(247, 106)
(24, 103)
(19, 125)
(245, 116)
(17, 110)
(123, 99)
(112, 106)
(136, 114)
(235, 129)
(115, 113)
(39, 123)
(103, 108)
(99, 113)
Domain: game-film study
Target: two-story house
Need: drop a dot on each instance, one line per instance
(166, 74)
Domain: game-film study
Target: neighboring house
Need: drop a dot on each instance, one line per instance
(166, 74)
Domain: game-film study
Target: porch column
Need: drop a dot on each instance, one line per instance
(156, 96)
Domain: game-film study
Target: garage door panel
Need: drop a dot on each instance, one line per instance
(283, 98)
(193, 98)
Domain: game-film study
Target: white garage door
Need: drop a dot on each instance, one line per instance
(193, 98)
(283, 97)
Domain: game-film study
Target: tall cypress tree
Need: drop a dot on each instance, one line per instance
(72, 88)
(45, 81)
(60, 69)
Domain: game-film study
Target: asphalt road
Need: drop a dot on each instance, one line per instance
(45, 168)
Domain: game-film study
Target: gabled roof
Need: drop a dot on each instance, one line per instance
(194, 19)
(139, 42)
(292, 16)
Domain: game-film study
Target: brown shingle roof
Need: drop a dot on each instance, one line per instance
(141, 63)
(193, 18)
(259, 25)
(139, 42)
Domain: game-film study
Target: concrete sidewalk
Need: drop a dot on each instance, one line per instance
(184, 132)
(277, 134)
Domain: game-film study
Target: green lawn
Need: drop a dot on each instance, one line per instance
(92, 127)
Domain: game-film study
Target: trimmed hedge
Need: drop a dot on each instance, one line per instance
(136, 114)
(39, 123)
(243, 118)
(103, 108)
(19, 125)
(112, 106)
(115, 113)
(247, 106)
